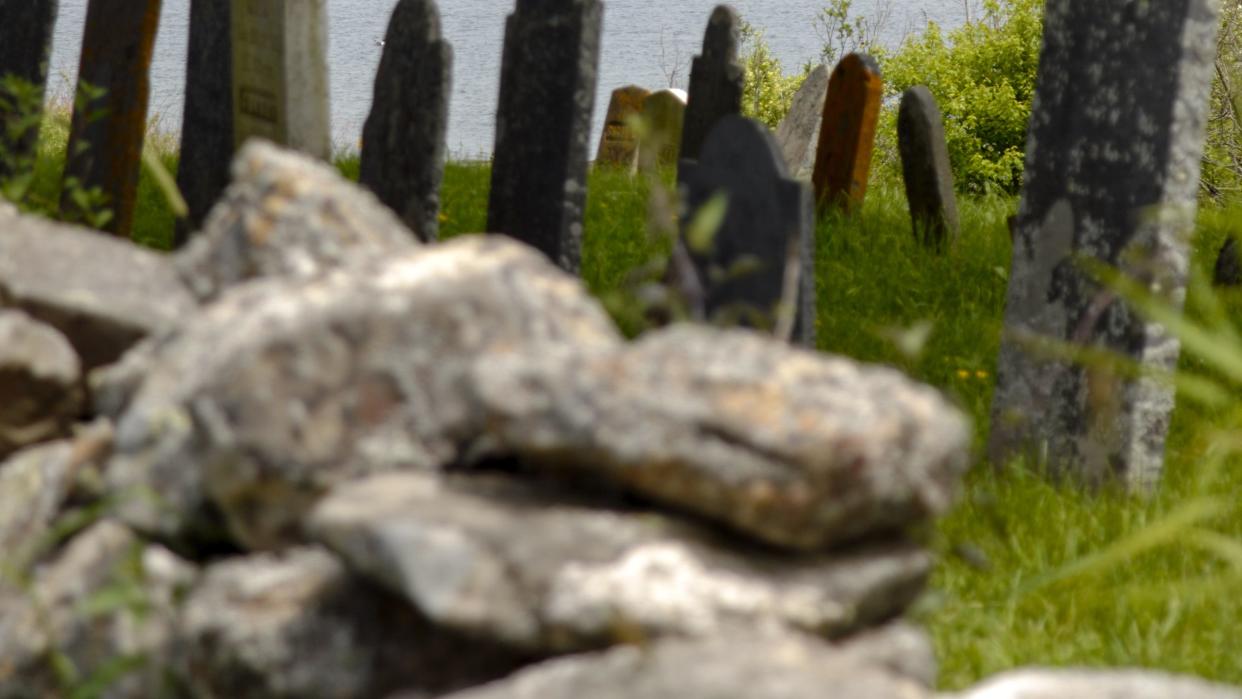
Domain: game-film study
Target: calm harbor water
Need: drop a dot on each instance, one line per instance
(646, 42)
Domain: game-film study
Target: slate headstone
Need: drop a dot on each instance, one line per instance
(847, 137)
(716, 80)
(110, 115)
(925, 168)
(1112, 175)
(618, 144)
(207, 120)
(767, 234)
(798, 132)
(27, 29)
(543, 125)
(280, 74)
(665, 112)
(403, 146)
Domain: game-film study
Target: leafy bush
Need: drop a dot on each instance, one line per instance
(1222, 161)
(983, 76)
(768, 94)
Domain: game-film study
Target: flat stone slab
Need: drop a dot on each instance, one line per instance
(40, 382)
(286, 386)
(847, 136)
(1038, 683)
(754, 666)
(798, 132)
(926, 170)
(542, 570)
(793, 448)
(102, 293)
(717, 80)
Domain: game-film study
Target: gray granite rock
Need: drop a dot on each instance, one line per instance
(788, 446)
(40, 382)
(104, 294)
(1095, 684)
(107, 602)
(546, 572)
(1112, 176)
(287, 386)
(297, 625)
(286, 214)
(751, 666)
(798, 132)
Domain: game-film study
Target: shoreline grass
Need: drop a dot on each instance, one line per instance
(1031, 571)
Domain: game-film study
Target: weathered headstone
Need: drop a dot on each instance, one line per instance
(27, 29)
(1112, 173)
(110, 115)
(847, 137)
(798, 132)
(618, 144)
(403, 145)
(207, 121)
(716, 80)
(665, 113)
(925, 168)
(280, 74)
(543, 125)
(763, 252)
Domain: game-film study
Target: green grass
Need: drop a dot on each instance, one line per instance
(1030, 572)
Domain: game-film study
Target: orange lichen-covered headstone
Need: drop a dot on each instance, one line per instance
(847, 137)
(618, 145)
(110, 116)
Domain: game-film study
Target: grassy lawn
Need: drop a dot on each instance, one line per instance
(1031, 572)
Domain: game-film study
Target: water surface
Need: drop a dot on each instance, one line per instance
(646, 42)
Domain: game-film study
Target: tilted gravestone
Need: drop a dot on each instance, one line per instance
(716, 80)
(665, 113)
(207, 121)
(27, 39)
(763, 252)
(1112, 174)
(543, 125)
(847, 136)
(618, 144)
(925, 168)
(798, 132)
(403, 145)
(110, 115)
(280, 74)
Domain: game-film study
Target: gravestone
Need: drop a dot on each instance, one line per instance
(26, 26)
(280, 74)
(543, 125)
(110, 115)
(403, 147)
(763, 252)
(798, 132)
(716, 80)
(847, 136)
(925, 168)
(1112, 174)
(207, 120)
(665, 113)
(618, 144)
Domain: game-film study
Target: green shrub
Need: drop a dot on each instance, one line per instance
(983, 76)
(768, 93)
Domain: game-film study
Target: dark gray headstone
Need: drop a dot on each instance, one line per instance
(543, 124)
(716, 80)
(26, 26)
(207, 122)
(925, 168)
(1112, 175)
(108, 128)
(770, 220)
(403, 141)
